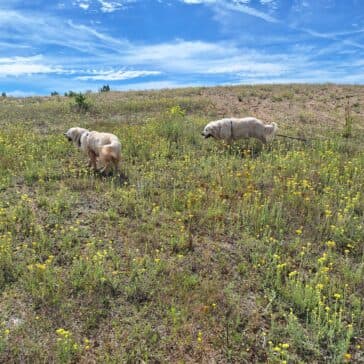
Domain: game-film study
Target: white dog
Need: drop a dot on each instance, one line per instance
(101, 148)
(231, 129)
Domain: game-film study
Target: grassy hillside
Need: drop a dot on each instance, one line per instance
(200, 252)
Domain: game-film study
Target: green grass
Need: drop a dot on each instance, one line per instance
(204, 252)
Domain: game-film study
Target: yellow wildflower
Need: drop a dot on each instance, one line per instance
(323, 258)
(41, 266)
(330, 244)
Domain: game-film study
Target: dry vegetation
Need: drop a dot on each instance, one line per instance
(201, 252)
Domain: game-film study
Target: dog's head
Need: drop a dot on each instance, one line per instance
(74, 135)
(209, 131)
(68, 134)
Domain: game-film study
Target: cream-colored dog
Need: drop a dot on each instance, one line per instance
(231, 129)
(103, 149)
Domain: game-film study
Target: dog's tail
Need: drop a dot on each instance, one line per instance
(271, 128)
(275, 127)
(271, 131)
(112, 152)
(113, 149)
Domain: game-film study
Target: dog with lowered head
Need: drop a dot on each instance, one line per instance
(103, 149)
(231, 129)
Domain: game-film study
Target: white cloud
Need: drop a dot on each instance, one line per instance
(247, 67)
(84, 6)
(237, 6)
(18, 66)
(106, 6)
(110, 6)
(20, 93)
(107, 40)
(333, 37)
(156, 85)
(205, 58)
(24, 31)
(199, 1)
(240, 7)
(177, 51)
(17, 46)
(117, 75)
(270, 4)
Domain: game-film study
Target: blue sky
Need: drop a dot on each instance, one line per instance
(81, 45)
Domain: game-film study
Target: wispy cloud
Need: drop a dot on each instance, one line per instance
(21, 93)
(238, 6)
(105, 6)
(199, 1)
(117, 75)
(242, 7)
(247, 67)
(249, 11)
(110, 6)
(333, 37)
(23, 28)
(107, 41)
(18, 66)
(157, 85)
(84, 6)
(204, 58)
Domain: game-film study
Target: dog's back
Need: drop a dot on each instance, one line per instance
(106, 146)
(248, 127)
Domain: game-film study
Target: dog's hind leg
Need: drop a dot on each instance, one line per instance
(93, 159)
(116, 164)
(105, 160)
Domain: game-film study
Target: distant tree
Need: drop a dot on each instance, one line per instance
(3, 94)
(54, 93)
(81, 102)
(70, 94)
(105, 88)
